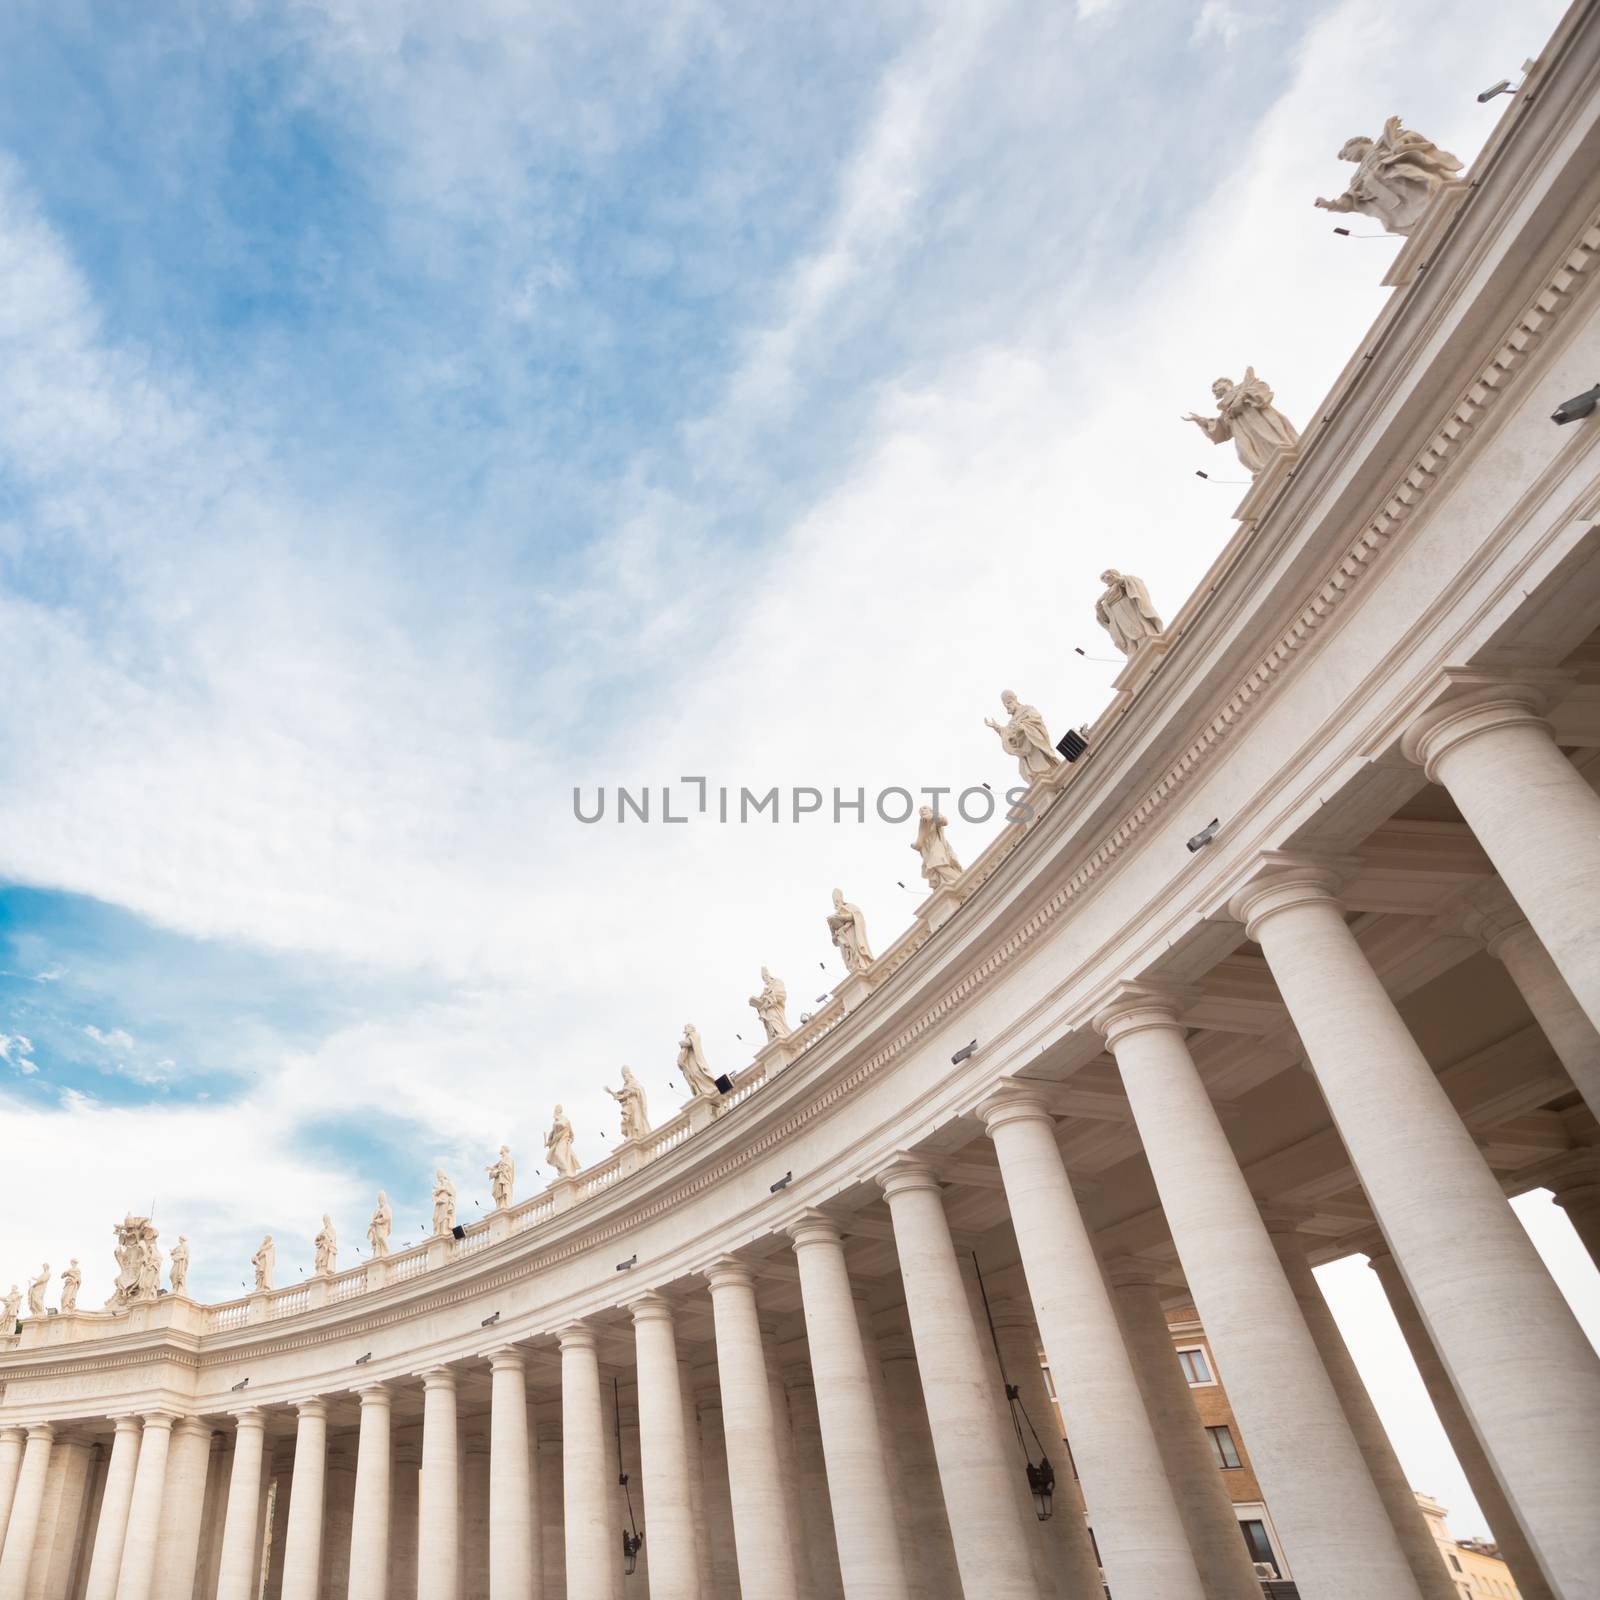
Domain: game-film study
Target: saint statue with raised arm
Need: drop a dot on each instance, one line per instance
(558, 1149)
(444, 1202)
(502, 1176)
(848, 929)
(1126, 612)
(1025, 736)
(1246, 414)
(692, 1064)
(770, 1006)
(378, 1229)
(939, 864)
(1396, 175)
(630, 1098)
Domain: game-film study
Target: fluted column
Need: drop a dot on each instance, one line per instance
(370, 1508)
(105, 1565)
(1496, 919)
(23, 1528)
(1528, 1376)
(439, 1501)
(11, 1443)
(511, 1508)
(592, 1551)
(240, 1572)
(302, 1549)
(1534, 815)
(135, 1582)
(991, 1542)
(755, 1487)
(663, 1453)
(1515, 1549)
(1142, 1544)
(183, 1508)
(859, 1489)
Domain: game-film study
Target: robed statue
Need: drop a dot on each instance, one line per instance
(849, 931)
(558, 1146)
(771, 1005)
(444, 1202)
(630, 1098)
(692, 1064)
(378, 1228)
(1396, 175)
(939, 864)
(1125, 611)
(1246, 414)
(1026, 737)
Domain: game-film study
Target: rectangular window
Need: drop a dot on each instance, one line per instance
(1257, 1542)
(1194, 1366)
(1456, 1564)
(1222, 1443)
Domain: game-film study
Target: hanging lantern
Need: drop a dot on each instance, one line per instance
(630, 1551)
(632, 1536)
(1041, 1485)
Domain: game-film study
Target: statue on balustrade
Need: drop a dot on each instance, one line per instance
(1126, 612)
(1025, 736)
(630, 1097)
(13, 1310)
(326, 1245)
(692, 1064)
(149, 1265)
(378, 1228)
(138, 1263)
(1396, 175)
(444, 1202)
(771, 1005)
(178, 1265)
(71, 1282)
(502, 1176)
(263, 1261)
(848, 929)
(939, 864)
(36, 1289)
(558, 1146)
(1247, 415)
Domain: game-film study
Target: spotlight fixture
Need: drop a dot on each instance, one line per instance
(633, 1260)
(458, 1232)
(1204, 837)
(361, 1361)
(821, 998)
(724, 1084)
(782, 1183)
(805, 1017)
(490, 1320)
(239, 1385)
(1503, 87)
(963, 1053)
(1578, 407)
(1072, 744)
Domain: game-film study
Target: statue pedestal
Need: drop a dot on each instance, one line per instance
(1264, 490)
(438, 1250)
(499, 1224)
(629, 1156)
(1419, 245)
(776, 1054)
(855, 989)
(317, 1290)
(1141, 665)
(701, 1112)
(564, 1193)
(377, 1272)
(939, 907)
(257, 1309)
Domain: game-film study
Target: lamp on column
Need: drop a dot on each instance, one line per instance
(632, 1538)
(1041, 1475)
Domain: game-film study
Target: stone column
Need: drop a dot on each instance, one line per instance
(812, 1513)
(592, 1551)
(511, 1508)
(183, 1508)
(1142, 1543)
(664, 1453)
(369, 1512)
(695, 1471)
(23, 1528)
(302, 1549)
(11, 1442)
(404, 1505)
(888, 1434)
(552, 1494)
(1575, 1187)
(439, 1498)
(859, 1489)
(1498, 921)
(281, 1494)
(218, 1471)
(816, 1567)
(1411, 1529)
(55, 1554)
(1529, 1378)
(1534, 815)
(1220, 1552)
(1514, 1547)
(920, 1503)
(144, 1510)
(477, 1479)
(105, 1566)
(724, 1571)
(755, 1486)
(1068, 1550)
(991, 1542)
(240, 1573)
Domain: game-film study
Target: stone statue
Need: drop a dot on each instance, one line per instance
(1396, 175)
(378, 1228)
(502, 1175)
(1025, 736)
(558, 1146)
(770, 1006)
(149, 1265)
(326, 1245)
(849, 930)
(692, 1064)
(178, 1264)
(1248, 417)
(138, 1263)
(12, 1312)
(635, 1114)
(263, 1261)
(939, 864)
(36, 1289)
(71, 1281)
(1125, 611)
(444, 1202)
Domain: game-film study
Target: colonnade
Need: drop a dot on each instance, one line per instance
(882, 1468)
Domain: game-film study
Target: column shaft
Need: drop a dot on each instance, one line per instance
(592, 1548)
(240, 1572)
(144, 1510)
(811, 1547)
(110, 1533)
(755, 1485)
(664, 1454)
(511, 1507)
(369, 1513)
(476, 1486)
(439, 1500)
(26, 1504)
(404, 1538)
(991, 1542)
(1528, 1376)
(695, 1472)
(1141, 1538)
(11, 1443)
(302, 1549)
(724, 1573)
(183, 1508)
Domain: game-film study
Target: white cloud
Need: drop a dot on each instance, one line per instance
(16, 1050)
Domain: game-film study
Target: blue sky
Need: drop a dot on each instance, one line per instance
(408, 412)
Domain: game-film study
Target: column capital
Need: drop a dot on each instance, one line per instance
(1489, 914)
(1282, 1218)
(1479, 707)
(728, 1272)
(316, 1408)
(190, 1426)
(376, 1394)
(47, 1430)
(905, 1173)
(1012, 1102)
(251, 1417)
(576, 1336)
(1136, 1007)
(14, 1430)
(508, 1358)
(813, 1227)
(1130, 1272)
(650, 1307)
(159, 1420)
(128, 1422)
(1285, 881)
